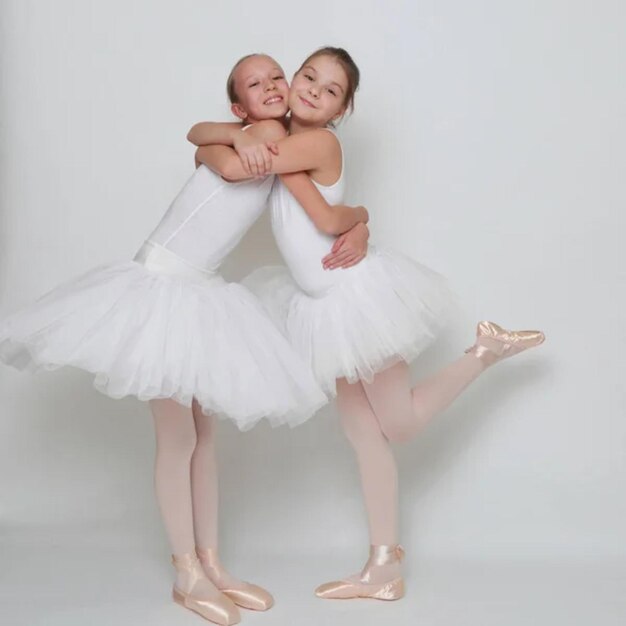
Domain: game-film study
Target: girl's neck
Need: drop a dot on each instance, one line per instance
(249, 120)
(296, 126)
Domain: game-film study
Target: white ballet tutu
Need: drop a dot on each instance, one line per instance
(386, 309)
(162, 330)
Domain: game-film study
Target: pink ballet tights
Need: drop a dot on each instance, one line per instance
(372, 415)
(402, 410)
(176, 440)
(377, 465)
(389, 409)
(186, 479)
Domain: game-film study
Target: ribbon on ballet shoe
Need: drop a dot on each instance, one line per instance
(209, 557)
(385, 555)
(400, 552)
(189, 565)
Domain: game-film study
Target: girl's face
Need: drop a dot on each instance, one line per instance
(262, 90)
(318, 91)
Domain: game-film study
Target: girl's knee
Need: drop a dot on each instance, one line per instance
(362, 432)
(185, 447)
(205, 435)
(180, 442)
(397, 431)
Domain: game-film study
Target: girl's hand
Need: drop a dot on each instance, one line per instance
(256, 158)
(348, 249)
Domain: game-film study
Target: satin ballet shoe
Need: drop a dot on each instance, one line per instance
(246, 595)
(494, 343)
(203, 597)
(362, 587)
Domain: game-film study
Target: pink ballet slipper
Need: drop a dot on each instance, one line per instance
(361, 586)
(244, 594)
(202, 597)
(494, 343)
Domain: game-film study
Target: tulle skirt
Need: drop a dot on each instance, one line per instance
(389, 310)
(157, 335)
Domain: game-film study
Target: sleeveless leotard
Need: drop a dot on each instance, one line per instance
(347, 323)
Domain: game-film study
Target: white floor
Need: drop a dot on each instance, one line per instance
(64, 576)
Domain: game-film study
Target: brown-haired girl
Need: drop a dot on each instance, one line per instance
(358, 328)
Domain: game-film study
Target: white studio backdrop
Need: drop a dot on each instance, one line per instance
(487, 142)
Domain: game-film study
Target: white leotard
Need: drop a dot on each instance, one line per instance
(167, 325)
(208, 218)
(301, 244)
(347, 323)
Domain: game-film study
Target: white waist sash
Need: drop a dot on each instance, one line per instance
(156, 258)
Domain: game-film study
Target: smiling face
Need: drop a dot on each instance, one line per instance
(318, 91)
(261, 89)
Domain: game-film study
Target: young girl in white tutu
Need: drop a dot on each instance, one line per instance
(360, 327)
(167, 328)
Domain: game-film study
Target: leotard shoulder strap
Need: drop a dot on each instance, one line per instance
(332, 130)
